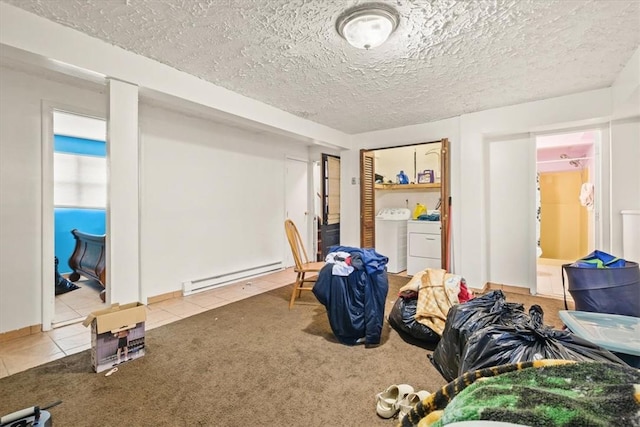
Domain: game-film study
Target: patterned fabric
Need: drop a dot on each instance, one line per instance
(540, 393)
(438, 292)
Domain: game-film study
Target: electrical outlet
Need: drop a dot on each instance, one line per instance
(353, 181)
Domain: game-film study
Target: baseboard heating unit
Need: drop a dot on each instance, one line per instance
(201, 285)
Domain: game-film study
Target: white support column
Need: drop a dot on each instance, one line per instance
(123, 226)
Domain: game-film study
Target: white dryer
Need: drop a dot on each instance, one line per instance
(391, 237)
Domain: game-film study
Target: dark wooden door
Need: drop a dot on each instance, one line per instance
(367, 200)
(445, 198)
(330, 221)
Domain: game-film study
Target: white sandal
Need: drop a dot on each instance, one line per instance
(388, 400)
(406, 405)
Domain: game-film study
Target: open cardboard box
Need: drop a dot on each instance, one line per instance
(117, 334)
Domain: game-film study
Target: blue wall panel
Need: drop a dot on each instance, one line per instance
(66, 219)
(85, 147)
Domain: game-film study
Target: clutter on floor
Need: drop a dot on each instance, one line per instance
(388, 401)
(534, 375)
(398, 400)
(489, 331)
(33, 416)
(117, 335)
(63, 285)
(423, 303)
(353, 286)
(540, 393)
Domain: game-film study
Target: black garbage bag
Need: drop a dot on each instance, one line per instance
(402, 319)
(497, 345)
(466, 318)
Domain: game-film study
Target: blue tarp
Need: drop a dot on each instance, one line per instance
(599, 259)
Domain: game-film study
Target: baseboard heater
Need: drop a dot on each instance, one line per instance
(200, 285)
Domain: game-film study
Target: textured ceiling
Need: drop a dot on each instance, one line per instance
(446, 58)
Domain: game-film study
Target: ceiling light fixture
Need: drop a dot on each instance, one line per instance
(368, 25)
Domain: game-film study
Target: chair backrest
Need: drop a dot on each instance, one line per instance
(295, 242)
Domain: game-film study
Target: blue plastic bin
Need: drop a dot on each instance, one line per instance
(616, 333)
(613, 290)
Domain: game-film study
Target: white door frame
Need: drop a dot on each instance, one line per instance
(48, 232)
(601, 161)
(302, 225)
(601, 155)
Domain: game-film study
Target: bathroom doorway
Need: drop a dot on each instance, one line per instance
(567, 167)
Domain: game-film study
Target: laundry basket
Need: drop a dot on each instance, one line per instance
(614, 290)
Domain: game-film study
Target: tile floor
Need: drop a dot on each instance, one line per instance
(78, 303)
(26, 352)
(549, 281)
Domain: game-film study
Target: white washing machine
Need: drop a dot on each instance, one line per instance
(391, 237)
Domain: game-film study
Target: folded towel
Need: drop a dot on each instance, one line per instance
(586, 195)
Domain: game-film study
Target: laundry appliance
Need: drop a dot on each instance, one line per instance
(391, 237)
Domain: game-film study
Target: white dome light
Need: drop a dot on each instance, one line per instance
(368, 25)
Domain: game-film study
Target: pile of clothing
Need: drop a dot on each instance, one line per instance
(353, 286)
(423, 304)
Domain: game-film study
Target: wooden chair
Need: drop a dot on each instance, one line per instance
(302, 264)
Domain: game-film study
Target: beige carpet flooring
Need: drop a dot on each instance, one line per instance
(250, 363)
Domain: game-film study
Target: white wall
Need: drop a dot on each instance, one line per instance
(390, 162)
(625, 175)
(123, 211)
(407, 199)
(212, 198)
(79, 126)
(511, 185)
(469, 164)
(20, 189)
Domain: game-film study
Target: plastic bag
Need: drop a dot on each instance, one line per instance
(402, 319)
(464, 319)
(499, 345)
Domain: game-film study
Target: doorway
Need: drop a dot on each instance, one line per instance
(567, 212)
(296, 203)
(426, 166)
(79, 201)
(329, 215)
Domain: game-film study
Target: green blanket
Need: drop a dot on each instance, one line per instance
(543, 393)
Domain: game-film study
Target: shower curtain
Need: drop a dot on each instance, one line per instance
(538, 209)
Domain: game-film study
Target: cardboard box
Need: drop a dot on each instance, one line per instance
(117, 335)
